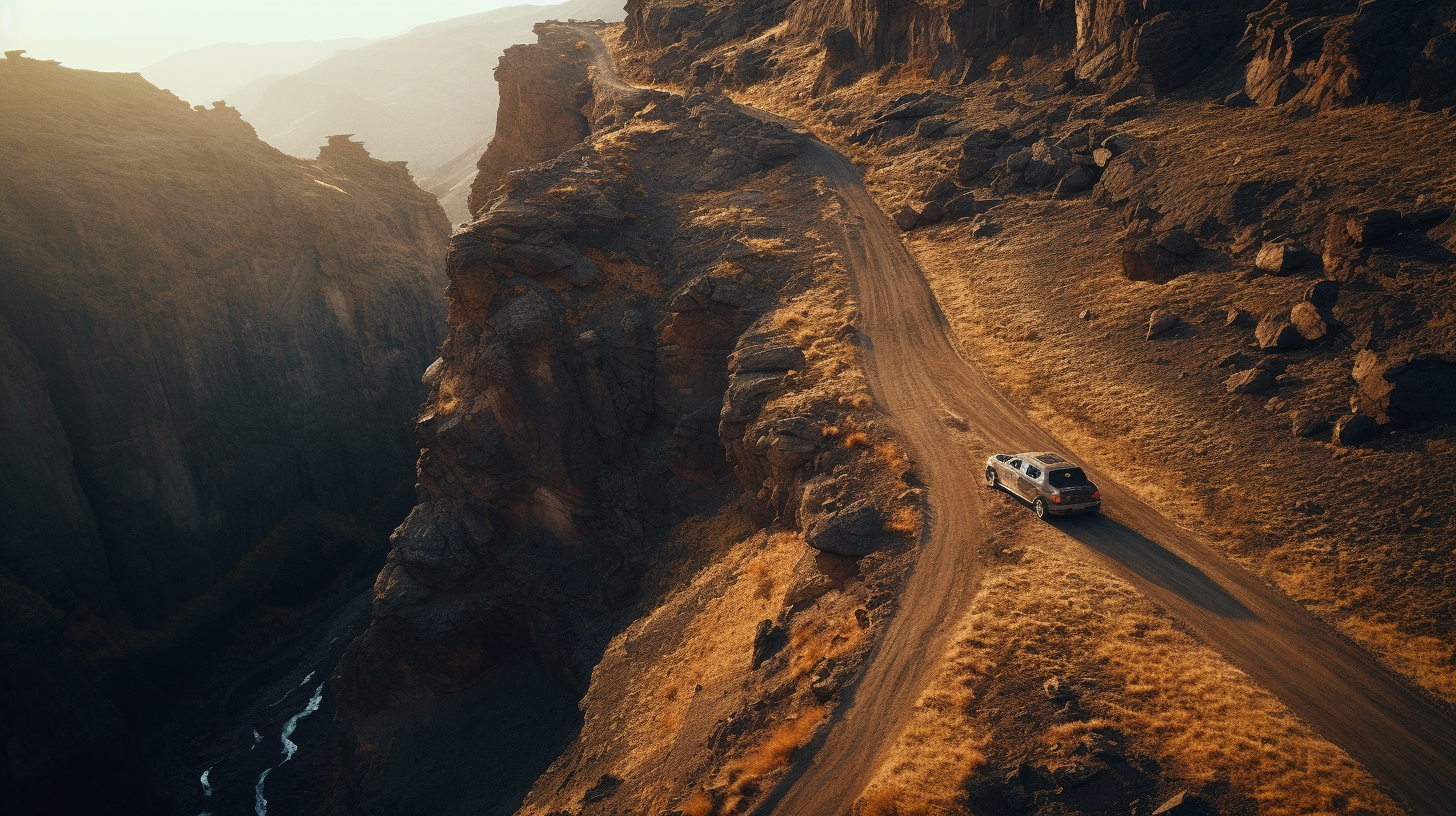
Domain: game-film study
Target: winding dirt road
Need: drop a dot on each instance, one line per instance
(916, 374)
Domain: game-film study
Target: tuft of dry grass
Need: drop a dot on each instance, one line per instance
(697, 805)
(856, 439)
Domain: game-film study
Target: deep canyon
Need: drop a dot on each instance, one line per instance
(654, 486)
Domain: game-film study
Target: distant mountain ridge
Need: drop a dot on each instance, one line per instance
(204, 75)
(426, 97)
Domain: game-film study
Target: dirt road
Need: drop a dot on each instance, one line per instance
(917, 376)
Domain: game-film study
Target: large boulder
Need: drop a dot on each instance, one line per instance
(1352, 429)
(1308, 321)
(1145, 260)
(1276, 333)
(1406, 389)
(1252, 381)
(853, 531)
(1282, 257)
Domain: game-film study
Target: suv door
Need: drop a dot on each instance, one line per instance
(1028, 484)
(1012, 477)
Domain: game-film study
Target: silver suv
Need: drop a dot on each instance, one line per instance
(1053, 485)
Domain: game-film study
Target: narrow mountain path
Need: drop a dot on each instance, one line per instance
(917, 375)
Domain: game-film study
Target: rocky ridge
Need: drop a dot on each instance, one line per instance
(649, 403)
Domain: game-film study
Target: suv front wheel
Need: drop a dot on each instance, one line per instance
(991, 480)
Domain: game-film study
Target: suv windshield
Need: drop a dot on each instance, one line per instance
(1067, 477)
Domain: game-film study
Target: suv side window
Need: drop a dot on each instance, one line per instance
(1032, 472)
(1015, 463)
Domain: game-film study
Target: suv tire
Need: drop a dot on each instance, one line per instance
(992, 481)
(1039, 507)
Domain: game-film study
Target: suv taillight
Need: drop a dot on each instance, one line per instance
(1056, 499)
(1097, 494)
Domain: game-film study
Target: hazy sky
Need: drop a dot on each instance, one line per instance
(125, 35)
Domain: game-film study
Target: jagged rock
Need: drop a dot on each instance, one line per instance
(525, 319)
(1282, 257)
(1175, 805)
(1276, 333)
(1308, 321)
(852, 531)
(1352, 429)
(906, 218)
(1237, 99)
(1406, 389)
(791, 442)
(1119, 179)
(960, 207)
(808, 582)
(1252, 381)
(944, 190)
(1234, 359)
(1323, 294)
(1373, 227)
(768, 639)
(1160, 321)
(1237, 317)
(439, 544)
(931, 213)
(1307, 424)
(770, 152)
(1145, 260)
(755, 358)
(1101, 156)
(1075, 181)
(1179, 242)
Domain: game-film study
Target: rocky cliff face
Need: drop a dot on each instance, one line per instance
(199, 336)
(1304, 54)
(649, 362)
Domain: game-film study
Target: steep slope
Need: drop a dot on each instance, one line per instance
(651, 477)
(204, 75)
(211, 351)
(1058, 196)
(424, 97)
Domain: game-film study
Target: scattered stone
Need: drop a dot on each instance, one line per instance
(1235, 359)
(1323, 294)
(983, 227)
(1307, 423)
(1308, 321)
(1275, 404)
(943, 190)
(1075, 181)
(1252, 381)
(1179, 242)
(907, 218)
(1282, 257)
(1160, 321)
(1101, 156)
(767, 640)
(962, 206)
(1085, 314)
(1238, 99)
(1373, 227)
(1145, 260)
(1352, 429)
(1175, 805)
(1276, 333)
(1237, 317)
(931, 213)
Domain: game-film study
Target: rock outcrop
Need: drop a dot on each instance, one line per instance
(198, 335)
(1311, 55)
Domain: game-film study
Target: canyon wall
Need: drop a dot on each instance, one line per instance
(1305, 54)
(198, 336)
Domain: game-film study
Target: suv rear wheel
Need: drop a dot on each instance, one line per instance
(1039, 507)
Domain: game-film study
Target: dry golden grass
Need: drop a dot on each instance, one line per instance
(697, 805)
(856, 439)
(1177, 700)
(745, 776)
